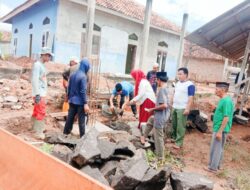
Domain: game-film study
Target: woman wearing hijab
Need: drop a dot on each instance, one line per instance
(144, 95)
(77, 97)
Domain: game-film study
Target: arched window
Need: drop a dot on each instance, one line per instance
(16, 31)
(30, 26)
(133, 37)
(163, 44)
(46, 21)
(96, 27)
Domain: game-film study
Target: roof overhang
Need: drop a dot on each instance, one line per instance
(227, 34)
(27, 4)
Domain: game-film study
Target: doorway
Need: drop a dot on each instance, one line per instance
(130, 62)
(30, 46)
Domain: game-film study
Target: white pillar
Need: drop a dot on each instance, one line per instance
(145, 34)
(224, 69)
(89, 27)
(183, 31)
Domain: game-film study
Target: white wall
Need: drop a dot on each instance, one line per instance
(69, 28)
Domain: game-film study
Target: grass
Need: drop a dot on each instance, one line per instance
(47, 148)
(168, 160)
(242, 181)
(223, 174)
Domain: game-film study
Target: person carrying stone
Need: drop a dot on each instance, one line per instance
(182, 102)
(222, 124)
(39, 92)
(158, 121)
(126, 91)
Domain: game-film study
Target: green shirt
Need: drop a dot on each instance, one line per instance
(225, 108)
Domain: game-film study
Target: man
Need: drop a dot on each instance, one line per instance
(74, 65)
(159, 120)
(182, 101)
(77, 97)
(222, 123)
(151, 76)
(39, 91)
(126, 91)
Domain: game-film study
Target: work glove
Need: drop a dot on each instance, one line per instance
(37, 99)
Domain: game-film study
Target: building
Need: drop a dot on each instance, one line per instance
(5, 43)
(61, 24)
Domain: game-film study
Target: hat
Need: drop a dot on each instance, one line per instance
(162, 76)
(74, 58)
(46, 50)
(222, 84)
(118, 87)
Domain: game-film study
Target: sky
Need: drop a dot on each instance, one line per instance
(200, 11)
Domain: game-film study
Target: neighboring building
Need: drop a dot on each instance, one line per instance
(204, 66)
(5, 43)
(61, 24)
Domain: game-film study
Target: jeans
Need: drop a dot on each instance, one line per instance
(133, 107)
(73, 110)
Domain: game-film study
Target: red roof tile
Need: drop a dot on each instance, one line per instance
(135, 10)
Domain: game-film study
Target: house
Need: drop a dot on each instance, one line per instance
(61, 25)
(204, 65)
(5, 43)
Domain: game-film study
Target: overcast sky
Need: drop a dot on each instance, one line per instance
(200, 11)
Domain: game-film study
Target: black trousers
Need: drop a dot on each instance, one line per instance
(73, 110)
(131, 96)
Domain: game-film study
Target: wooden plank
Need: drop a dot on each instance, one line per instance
(58, 114)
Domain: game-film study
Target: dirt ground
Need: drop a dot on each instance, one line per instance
(193, 157)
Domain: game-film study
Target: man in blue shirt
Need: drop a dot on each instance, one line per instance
(126, 91)
(77, 97)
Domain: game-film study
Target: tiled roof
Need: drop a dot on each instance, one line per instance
(135, 10)
(199, 52)
(5, 36)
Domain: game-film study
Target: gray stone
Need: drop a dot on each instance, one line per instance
(1, 99)
(115, 136)
(106, 147)
(95, 173)
(131, 178)
(62, 152)
(59, 138)
(134, 131)
(87, 149)
(154, 179)
(11, 99)
(109, 169)
(190, 181)
(124, 147)
(120, 126)
(168, 186)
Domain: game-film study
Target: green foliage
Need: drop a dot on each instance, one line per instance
(222, 174)
(47, 148)
(1, 35)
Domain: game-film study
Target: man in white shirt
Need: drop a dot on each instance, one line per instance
(183, 99)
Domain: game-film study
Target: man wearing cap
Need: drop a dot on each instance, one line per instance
(159, 120)
(126, 91)
(222, 123)
(182, 102)
(73, 66)
(39, 92)
(151, 76)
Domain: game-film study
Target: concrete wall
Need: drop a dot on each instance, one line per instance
(5, 48)
(34, 15)
(205, 70)
(69, 28)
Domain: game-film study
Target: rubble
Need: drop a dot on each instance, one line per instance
(95, 173)
(106, 147)
(62, 152)
(109, 169)
(59, 138)
(190, 181)
(86, 150)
